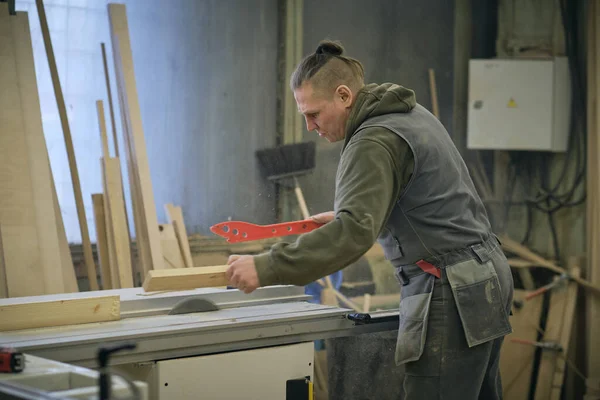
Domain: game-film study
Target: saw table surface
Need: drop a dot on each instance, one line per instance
(267, 317)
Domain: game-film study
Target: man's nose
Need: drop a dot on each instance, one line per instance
(310, 125)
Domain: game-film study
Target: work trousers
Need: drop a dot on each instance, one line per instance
(449, 369)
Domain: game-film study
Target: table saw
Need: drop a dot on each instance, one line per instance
(249, 348)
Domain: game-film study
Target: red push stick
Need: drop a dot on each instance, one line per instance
(237, 231)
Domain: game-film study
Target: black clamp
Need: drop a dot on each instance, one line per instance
(103, 356)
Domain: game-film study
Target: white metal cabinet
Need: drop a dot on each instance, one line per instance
(251, 374)
(519, 104)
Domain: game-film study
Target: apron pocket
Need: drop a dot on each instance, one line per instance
(479, 301)
(413, 316)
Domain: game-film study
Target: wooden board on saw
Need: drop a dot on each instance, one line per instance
(27, 314)
(101, 240)
(23, 265)
(57, 279)
(516, 359)
(170, 246)
(118, 237)
(185, 278)
(559, 322)
(175, 217)
(147, 235)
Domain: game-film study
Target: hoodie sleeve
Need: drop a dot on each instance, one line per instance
(373, 170)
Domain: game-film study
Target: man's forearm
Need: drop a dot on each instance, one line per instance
(332, 247)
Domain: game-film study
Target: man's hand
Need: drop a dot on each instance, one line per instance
(323, 218)
(242, 273)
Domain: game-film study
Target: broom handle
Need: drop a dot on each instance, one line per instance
(301, 201)
(305, 215)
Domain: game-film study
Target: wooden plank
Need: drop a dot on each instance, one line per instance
(147, 237)
(68, 269)
(565, 338)
(110, 101)
(175, 217)
(39, 168)
(118, 226)
(101, 240)
(185, 278)
(3, 283)
(526, 279)
(62, 111)
(435, 109)
(17, 208)
(102, 128)
(170, 247)
(112, 254)
(28, 315)
(516, 360)
(523, 252)
(562, 305)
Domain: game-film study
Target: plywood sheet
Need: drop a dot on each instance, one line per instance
(39, 168)
(23, 267)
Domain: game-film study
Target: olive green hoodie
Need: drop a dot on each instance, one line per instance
(375, 166)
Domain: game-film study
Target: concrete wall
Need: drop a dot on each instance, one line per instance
(207, 81)
(397, 41)
(206, 78)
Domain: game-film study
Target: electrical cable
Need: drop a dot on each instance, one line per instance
(542, 193)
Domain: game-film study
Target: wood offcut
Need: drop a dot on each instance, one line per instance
(185, 278)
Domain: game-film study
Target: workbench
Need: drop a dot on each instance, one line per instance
(180, 356)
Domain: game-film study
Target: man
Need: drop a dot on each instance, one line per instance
(400, 181)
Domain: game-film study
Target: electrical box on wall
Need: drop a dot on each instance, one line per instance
(517, 104)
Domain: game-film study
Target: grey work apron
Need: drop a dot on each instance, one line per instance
(476, 288)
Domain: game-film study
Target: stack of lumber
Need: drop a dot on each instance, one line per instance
(159, 246)
(34, 253)
(112, 232)
(35, 258)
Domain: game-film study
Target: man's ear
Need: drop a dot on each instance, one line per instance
(344, 95)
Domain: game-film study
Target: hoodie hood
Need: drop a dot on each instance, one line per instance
(374, 100)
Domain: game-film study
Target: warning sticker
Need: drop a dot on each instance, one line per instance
(512, 103)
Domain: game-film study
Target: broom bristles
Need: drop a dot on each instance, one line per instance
(288, 160)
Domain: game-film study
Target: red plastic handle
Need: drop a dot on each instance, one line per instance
(238, 231)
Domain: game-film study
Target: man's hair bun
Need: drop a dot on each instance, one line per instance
(329, 48)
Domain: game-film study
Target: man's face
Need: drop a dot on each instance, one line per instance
(325, 113)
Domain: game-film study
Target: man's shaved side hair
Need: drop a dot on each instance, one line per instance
(327, 68)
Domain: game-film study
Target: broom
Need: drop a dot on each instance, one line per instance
(289, 162)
